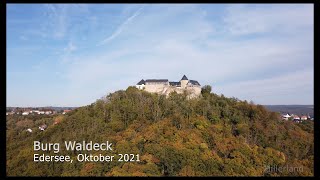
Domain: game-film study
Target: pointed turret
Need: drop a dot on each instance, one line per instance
(184, 81)
(184, 77)
(141, 82)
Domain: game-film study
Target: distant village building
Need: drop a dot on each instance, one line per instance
(66, 111)
(10, 113)
(29, 130)
(41, 112)
(25, 113)
(303, 118)
(165, 87)
(308, 117)
(43, 127)
(286, 117)
(296, 118)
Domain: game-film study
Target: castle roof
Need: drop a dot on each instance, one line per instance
(165, 81)
(184, 77)
(156, 80)
(141, 82)
(175, 83)
(194, 82)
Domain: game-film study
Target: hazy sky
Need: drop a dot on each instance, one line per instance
(73, 54)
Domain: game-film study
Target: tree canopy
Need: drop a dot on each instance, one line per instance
(174, 136)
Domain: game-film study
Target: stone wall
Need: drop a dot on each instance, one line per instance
(192, 92)
(155, 88)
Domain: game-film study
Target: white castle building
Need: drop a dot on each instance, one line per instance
(163, 86)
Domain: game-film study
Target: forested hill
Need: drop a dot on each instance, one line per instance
(208, 136)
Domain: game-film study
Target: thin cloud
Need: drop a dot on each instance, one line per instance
(70, 48)
(121, 27)
(57, 23)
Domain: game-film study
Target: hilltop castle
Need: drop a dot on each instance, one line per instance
(163, 86)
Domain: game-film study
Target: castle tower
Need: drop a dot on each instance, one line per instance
(184, 81)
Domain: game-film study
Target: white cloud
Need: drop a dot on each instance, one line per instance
(242, 20)
(264, 54)
(59, 19)
(186, 48)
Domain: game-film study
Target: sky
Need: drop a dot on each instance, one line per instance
(74, 54)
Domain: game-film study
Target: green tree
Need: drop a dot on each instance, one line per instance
(206, 90)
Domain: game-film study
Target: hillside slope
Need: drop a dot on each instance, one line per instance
(208, 136)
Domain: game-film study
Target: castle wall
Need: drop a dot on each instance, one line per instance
(184, 83)
(140, 86)
(155, 88)
(171, 89)
(192, 91)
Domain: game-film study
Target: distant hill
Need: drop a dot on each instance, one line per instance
(292, 109)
